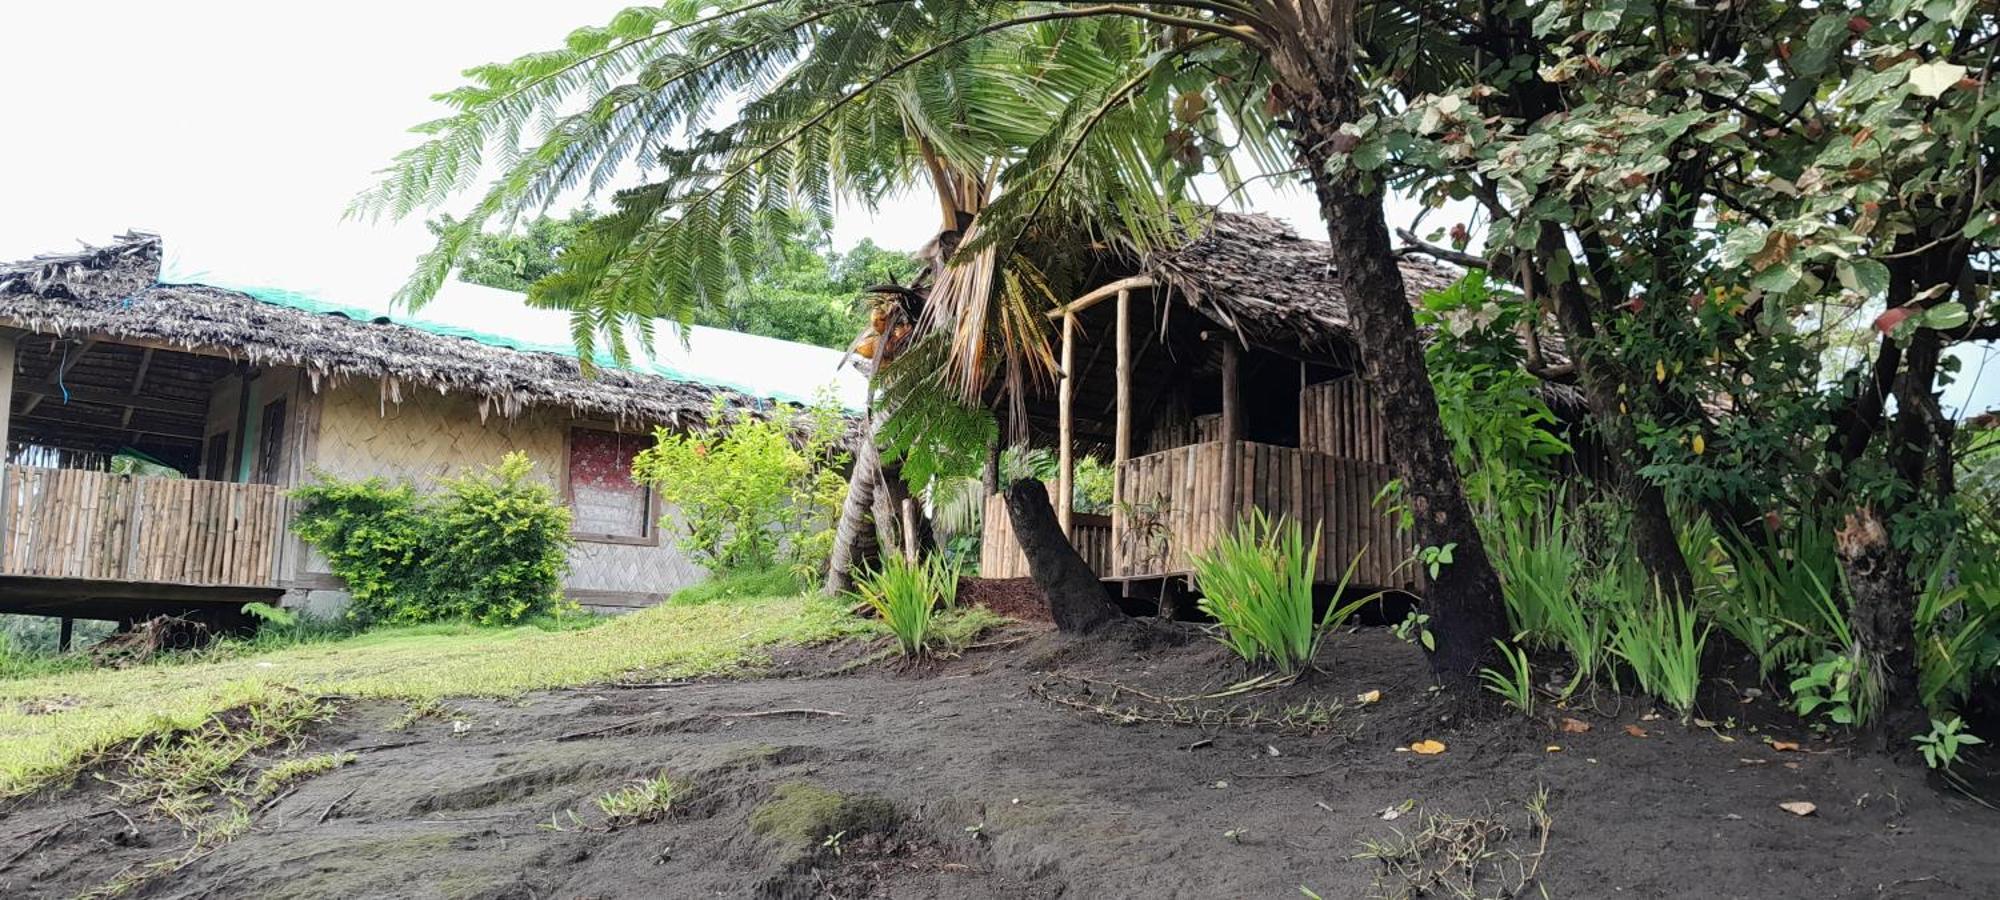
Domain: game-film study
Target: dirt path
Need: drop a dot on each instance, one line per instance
(1008, 774)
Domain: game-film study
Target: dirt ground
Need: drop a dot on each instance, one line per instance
(1035, 768)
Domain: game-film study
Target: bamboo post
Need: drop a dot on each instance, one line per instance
(1066, 437)
(1121, 447)
(1232, 435)
(910, 528)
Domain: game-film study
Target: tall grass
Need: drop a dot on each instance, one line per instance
(1659, 638)
(1257, 582)
(906, 595)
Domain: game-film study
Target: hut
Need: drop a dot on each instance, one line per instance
(1217, 378)
(233, 396)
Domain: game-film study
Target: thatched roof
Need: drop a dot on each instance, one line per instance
(113, 292)
(1254, 276)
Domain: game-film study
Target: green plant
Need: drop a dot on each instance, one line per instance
(1516, 685)
(1781, 603)
(1661, 640)
(753, 492)
(1833, 685)
(1415, 628)
(644, 800)
(1257, 582)
(905, 595)
(1940, 747)
(490, 547)
(1548, 603)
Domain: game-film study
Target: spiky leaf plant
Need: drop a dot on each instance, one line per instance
(1257, 582)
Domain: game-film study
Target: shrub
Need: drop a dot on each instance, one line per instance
(1258, 583)
(1661, 640)
(491, 548)
(905, 595)
(753, 493)
(644, 800)
(1516, 685)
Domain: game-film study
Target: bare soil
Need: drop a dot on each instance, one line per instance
(1034, 767)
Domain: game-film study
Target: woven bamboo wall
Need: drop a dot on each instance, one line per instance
(1000, 555)
(1175, 509)
(429, 436)
(1339, 418)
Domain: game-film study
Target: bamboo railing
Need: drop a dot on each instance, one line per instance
(1000, 555)
(72, 523)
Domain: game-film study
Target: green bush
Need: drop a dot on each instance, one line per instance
(754, 493)
(491, 547)
(1258, 583)
(906, 596)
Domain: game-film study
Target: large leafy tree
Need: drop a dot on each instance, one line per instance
(1705, 195)
(1038, 125)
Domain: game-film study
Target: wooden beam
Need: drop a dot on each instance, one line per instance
(1066, 427)
(54, 379)
(97, 396)
(7, 347)
(138, 383)
(1123, 285)
(1232, 431)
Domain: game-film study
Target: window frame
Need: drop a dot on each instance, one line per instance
(654, 510)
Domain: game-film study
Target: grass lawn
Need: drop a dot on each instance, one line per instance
(49, 725)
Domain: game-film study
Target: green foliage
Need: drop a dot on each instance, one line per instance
(1554, 599)
(1503, 434)
(1660, 639)
(515, 260)
(644, 800)
(1257, 582)
(754, 493)
(1834, 685)
(491, 547)
(1516, 685)
(1940, 747)
(907, 595)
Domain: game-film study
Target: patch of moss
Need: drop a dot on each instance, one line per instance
(804, 814)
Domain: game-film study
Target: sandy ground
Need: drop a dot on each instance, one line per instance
(1036, 768)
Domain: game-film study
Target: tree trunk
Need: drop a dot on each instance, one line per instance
(1653, 538)
(1878, 577)
(853, 516)
(1076, 598)
(1467, 614)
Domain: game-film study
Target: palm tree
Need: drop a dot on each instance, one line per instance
(1035, 124)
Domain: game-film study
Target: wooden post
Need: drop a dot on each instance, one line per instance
(1066, 436)
(910, 528)
(6, 387)
(68, 634)
(1232, 433)
(1121, 442)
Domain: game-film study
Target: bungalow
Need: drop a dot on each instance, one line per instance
(1219, 377)
(231, 397)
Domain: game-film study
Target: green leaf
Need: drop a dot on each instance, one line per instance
(1933, 78)
(1824, 41)
(1946, 316)
(1864, 276)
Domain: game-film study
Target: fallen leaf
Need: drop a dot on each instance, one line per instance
(1554, 748)
(1784, 745)
(1791, 765)
(1272, 749)
(1798, 807)
(1427, 748)
(1650, 717)
(1635, 731)
(1574, 726)
(1367, 697)
(1703, 723)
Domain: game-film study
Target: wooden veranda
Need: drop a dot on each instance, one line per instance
(1315, 456)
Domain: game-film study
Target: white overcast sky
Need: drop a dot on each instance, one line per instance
(238, 130)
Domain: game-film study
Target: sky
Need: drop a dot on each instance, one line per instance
(239, 131)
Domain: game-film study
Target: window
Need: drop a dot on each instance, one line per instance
(271, 444)
(606, 504)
